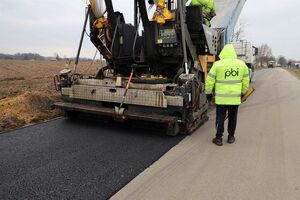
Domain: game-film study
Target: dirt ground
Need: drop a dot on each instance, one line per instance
(27, 91)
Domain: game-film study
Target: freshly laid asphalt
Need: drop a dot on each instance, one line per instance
(80, 159)
(76, 159)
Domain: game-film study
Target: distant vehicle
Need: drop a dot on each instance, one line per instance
(271, 64)
(246, 52)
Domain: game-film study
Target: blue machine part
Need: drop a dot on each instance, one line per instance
(228, 12)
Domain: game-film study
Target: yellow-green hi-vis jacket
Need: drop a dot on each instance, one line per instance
(229, 77)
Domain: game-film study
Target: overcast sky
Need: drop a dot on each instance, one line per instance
(51, 26)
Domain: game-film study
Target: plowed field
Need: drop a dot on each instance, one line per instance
(27, 91)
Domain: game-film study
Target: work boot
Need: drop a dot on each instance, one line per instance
(231, 139)
(218, 141)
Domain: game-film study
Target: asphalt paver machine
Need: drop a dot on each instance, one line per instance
(153, 68)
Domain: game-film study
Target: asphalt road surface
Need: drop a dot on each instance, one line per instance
(75, 159)
(263, 164)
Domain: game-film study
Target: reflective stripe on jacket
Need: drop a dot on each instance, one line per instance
(229, 77)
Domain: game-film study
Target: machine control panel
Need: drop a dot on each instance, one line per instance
(167, 37)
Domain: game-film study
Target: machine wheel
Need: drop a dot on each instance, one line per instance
(173, 129)
(194, 123)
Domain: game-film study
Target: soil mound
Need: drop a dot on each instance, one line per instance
(28, 108)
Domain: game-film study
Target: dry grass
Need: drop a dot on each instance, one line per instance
(27, 91)
(296, 72)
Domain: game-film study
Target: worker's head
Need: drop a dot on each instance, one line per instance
(228, 52)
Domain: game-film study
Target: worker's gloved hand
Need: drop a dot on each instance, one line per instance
(242, 96)
(209, 97)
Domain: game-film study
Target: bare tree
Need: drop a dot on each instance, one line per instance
(264, 54)
(265, 51)
(291, 63)
(56, 56)
(239, 31)
(282, 61)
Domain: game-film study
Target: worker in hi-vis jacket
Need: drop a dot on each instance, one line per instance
(208, 9)
(229, 78)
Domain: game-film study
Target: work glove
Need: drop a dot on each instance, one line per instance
(209, 97)
(242, 96)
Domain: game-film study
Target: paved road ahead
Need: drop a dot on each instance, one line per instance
(74, 159)
(263, 164)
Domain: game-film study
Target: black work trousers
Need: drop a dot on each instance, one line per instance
(232, 119)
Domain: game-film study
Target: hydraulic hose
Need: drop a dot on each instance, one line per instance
(81, 41)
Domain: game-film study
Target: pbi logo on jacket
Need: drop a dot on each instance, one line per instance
(231, 73)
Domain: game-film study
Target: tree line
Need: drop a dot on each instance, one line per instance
(265, 55)
(35, 56)
(22, 56)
